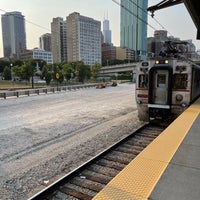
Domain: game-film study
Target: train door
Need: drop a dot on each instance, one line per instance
(160, 91)
(161, 87)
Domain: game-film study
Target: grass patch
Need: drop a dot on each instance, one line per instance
(13, 84)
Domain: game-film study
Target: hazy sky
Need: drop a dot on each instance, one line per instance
(175, 19)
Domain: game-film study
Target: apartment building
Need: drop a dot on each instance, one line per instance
(83, 39)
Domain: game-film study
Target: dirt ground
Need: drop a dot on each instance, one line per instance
(43, 137)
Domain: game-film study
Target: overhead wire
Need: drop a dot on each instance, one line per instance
(145, 11)
(133, 14)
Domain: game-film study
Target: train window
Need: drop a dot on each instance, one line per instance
(143, 80)
(180, 81)
(161, 80)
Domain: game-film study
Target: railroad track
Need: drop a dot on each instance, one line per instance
(88, 179)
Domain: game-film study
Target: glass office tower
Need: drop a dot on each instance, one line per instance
(14, 35)
(133, 26)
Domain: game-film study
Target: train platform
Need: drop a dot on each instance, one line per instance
(167, 169)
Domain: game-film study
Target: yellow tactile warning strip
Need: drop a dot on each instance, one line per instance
(139, 178)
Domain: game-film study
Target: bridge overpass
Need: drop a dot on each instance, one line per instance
(115, 70)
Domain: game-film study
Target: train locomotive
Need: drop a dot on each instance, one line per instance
(166, 86)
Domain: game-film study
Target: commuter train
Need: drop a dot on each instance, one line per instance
(165, 87)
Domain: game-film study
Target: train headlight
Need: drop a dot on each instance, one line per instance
(161, 62)
(179, 97)
(166, 61)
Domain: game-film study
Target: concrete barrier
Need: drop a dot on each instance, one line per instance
(29, 92)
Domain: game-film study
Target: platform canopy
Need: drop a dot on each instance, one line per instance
(193, 7)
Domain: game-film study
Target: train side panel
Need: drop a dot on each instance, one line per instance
(141, 92)
(195, 87)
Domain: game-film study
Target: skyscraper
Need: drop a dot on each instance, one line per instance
(14, 35)
(133, 26)
(59, 40)
(45, 42)
(83, 39)
(106, 32)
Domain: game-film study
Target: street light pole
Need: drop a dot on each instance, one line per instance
(11, 74)
(11, 71)
(32, 78)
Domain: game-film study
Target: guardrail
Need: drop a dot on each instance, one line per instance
(28, 92)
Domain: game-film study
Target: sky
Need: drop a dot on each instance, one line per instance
(176, 20)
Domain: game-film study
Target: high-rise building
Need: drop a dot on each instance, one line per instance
(83, 39)
(133, 26)
(59, 40)
(106, 32)
(108, 52)
(14, 35)
(123, 53)
(45, 42)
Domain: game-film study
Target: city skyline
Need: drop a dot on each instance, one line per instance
(36, 12)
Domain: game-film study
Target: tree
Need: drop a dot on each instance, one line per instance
(7, 73)
(83, 71)
(27, 71)
(43, 72)
(3, 64)
(67, 71)
(48, 77)
(17, 63)
(47, 74)
(88, 72)
(61, 77)
(95, 69)
(17, 70)
(21, 72)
